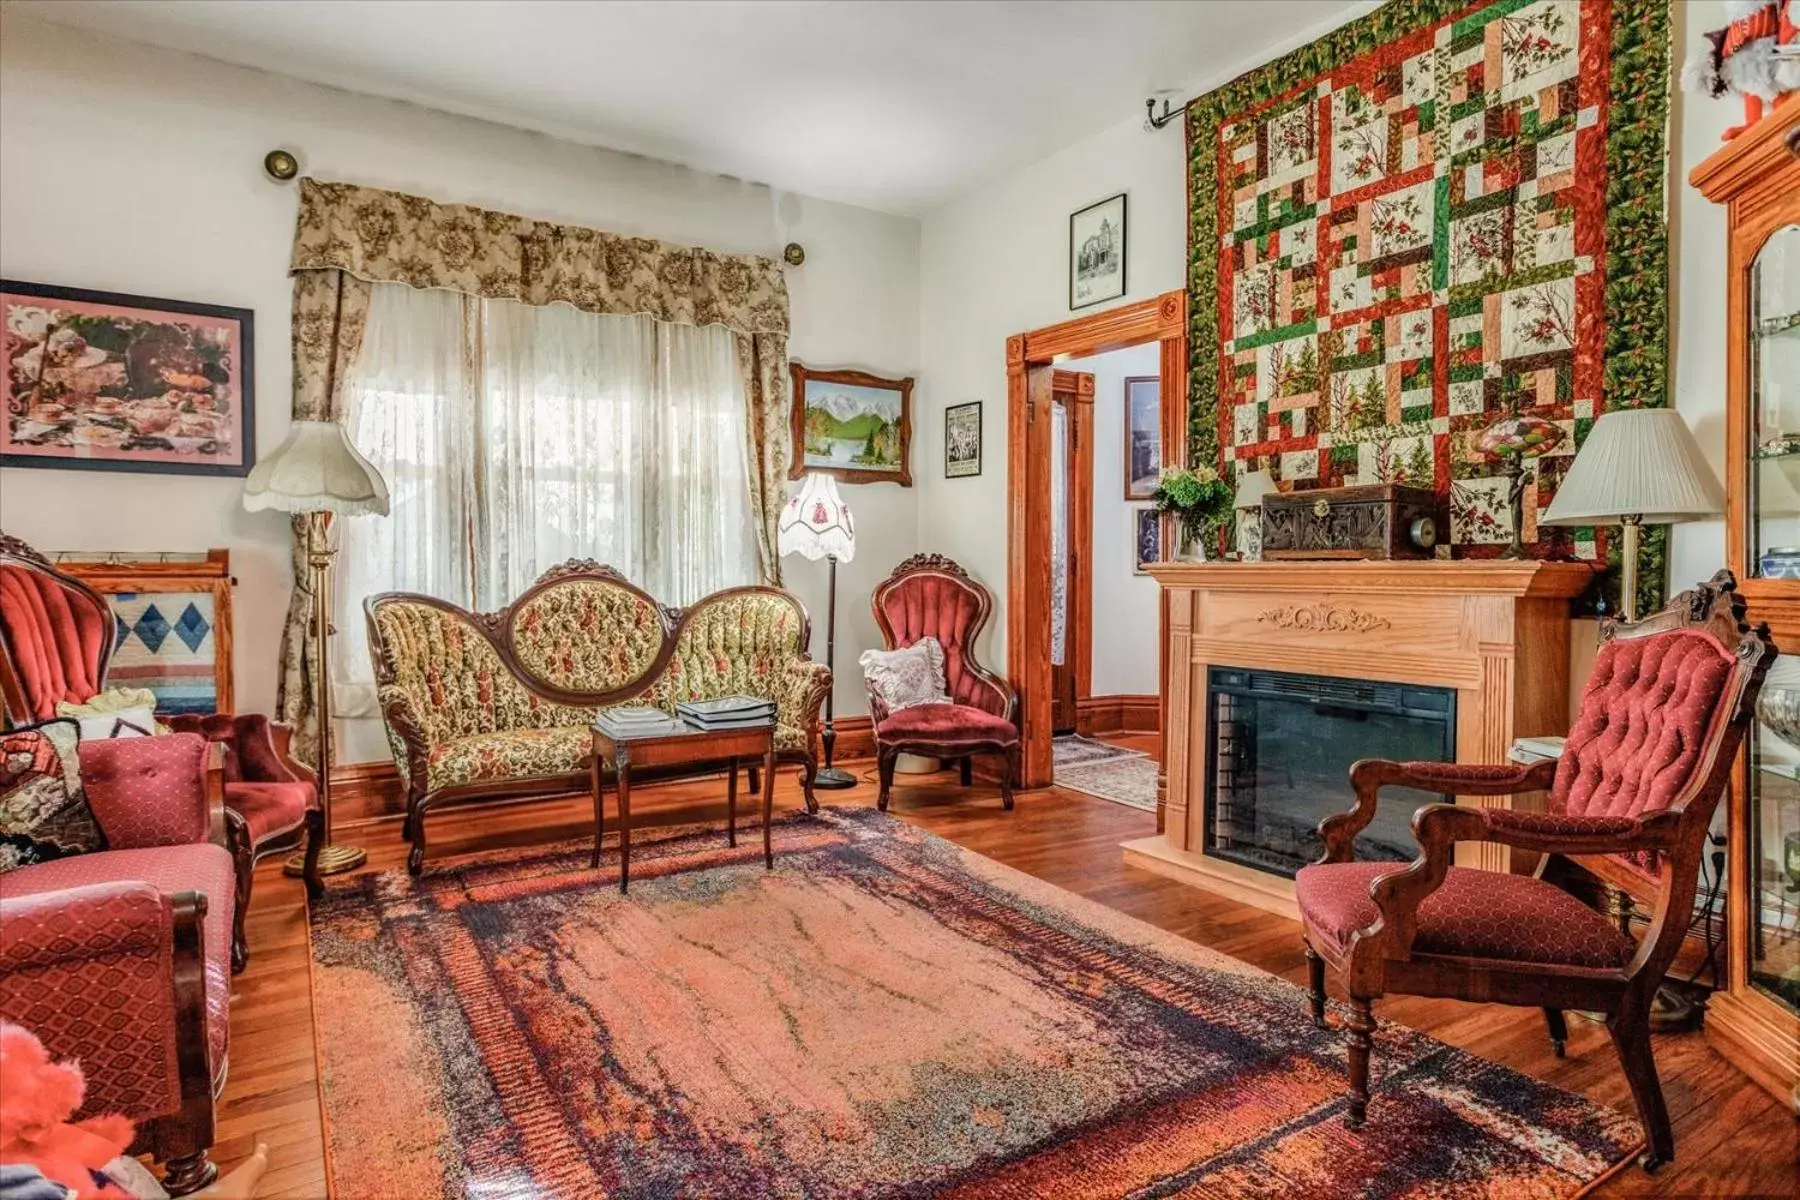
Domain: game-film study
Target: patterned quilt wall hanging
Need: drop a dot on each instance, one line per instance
(1437, 216)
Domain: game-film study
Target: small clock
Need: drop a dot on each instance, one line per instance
(1423, 532)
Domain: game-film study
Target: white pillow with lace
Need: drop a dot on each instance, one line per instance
(907, 677)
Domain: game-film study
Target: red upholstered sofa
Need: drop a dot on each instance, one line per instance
(56, 639)
(119, 958)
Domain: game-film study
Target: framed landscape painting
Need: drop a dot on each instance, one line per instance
(1143, 435)
(106, 382)
(853, 425)
(962, 440)
(1097, 252)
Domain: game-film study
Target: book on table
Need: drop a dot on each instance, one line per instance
(727, 712)
(638, 720)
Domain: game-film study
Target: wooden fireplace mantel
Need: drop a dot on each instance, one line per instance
(1496, 632)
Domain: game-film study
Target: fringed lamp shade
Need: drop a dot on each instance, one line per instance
(1641, 463)
(816, 522)
(316, 469)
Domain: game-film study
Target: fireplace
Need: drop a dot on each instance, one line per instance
(1282, 745)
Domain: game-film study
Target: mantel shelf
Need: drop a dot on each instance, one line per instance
(1470, 577)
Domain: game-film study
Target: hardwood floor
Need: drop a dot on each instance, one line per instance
(1732, 1138)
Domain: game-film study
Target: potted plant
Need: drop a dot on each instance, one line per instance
(1199, 499)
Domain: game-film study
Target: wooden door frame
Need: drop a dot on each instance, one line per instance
(1030, 370)
(1078, 386)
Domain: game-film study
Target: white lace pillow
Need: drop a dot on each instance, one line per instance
(909, 677)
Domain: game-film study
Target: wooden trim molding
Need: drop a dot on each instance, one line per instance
(1118, 714)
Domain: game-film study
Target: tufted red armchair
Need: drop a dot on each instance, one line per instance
(56, 638)
(928, 595)
(1661, 721)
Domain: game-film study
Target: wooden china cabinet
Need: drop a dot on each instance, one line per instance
(1755, 1016)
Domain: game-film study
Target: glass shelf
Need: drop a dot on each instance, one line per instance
(1774, 844)
(1772, 515)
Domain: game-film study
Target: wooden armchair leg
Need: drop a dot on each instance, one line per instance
(1559, 1029)
(1315, 979)
(189, 1173)
(1631, 1037)
(315, 842)
(244, 867)
(753, 776)
(885, 766)
(809, 770)
(1362, 1030)
(967, 768)
(1013, 753)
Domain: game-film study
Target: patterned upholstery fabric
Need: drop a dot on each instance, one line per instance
(587, 635)
(1475, 914)
(44, 814)
(946, 724)
(148, 791)
(259, 786)
(56, 636)
(535, 754)
(935, 604)
(1554, 824)
(90, 988)
(270, 809)
(746, 643)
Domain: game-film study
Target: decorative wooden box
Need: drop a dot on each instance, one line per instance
(1382, 521)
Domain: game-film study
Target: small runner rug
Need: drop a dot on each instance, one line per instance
(884, 1014)
(1128, 781)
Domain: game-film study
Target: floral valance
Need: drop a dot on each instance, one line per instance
(390, 237)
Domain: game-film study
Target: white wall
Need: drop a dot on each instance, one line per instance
(994, 265)
(131, 169)
(1124, 603)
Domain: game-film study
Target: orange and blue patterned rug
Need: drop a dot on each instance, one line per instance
(884, 1014)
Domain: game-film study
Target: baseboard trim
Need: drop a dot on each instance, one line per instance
(1118, 714)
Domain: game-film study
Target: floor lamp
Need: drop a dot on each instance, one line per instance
(317, 474)
(816, 524)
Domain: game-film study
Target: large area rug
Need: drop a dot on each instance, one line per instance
(884, 1014)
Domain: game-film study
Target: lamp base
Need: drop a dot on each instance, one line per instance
(333, 860)
(833, 778)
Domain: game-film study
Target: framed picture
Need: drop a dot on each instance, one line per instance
(962, 440)
(1097, 253)
(1143, 435)
(172, 620)
(99, 381)
(1146, 540)
(853, 425)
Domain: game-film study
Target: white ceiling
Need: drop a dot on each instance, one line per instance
(890, 104)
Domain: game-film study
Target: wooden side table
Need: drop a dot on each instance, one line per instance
(699, 749)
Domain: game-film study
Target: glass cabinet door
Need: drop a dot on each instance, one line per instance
(1773, 512)
(1772, 852)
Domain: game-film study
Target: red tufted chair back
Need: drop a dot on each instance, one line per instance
(56, 635)
(928, 595)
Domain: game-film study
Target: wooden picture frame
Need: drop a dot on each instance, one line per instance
(962, 449)
(868, 409)
(172, 618)
(1142, 443)
(1097, 252)
(105, 381)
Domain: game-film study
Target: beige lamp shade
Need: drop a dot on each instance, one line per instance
(816, 522)
(1641, 463)
(316, 469)
(1252, 487)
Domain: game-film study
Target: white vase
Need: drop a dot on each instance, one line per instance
(1188, 547)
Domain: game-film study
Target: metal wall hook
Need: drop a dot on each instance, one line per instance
(1169, 112)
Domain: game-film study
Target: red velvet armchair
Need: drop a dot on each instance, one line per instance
(118, 958)
(928, 595)
(56, 638)
(1661, 722)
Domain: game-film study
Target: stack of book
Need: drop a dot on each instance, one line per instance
(727, 712)
(637, 720)
(1529, 750)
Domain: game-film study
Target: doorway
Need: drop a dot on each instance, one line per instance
(1031, 400)
(1071, 545)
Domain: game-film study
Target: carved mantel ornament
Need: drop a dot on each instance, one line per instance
(1323, 617)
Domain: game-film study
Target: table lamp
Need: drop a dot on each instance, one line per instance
(1510, 441)
(816, 524)
(318, 474)
(1251, 489)
(1637, 465)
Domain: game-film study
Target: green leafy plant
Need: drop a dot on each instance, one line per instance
(1197, 496)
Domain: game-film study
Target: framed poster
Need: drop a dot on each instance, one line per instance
(1097, 252)
(962, 440)
(1146, 538)
(853, 425)
(1143, 435)
(101, 381)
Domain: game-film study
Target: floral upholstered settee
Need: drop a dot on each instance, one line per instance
(500, 704)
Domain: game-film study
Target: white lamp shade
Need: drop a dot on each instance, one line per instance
(1637, 462)
(1253, 487)
(316, 469)
(816, 521)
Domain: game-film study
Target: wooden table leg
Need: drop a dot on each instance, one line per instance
(731, 805)
(598, 784)
(768, 782)
(624, 785)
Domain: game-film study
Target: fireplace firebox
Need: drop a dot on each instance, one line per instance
(1282, 749)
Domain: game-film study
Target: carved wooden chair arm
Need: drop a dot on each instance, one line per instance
(1369, 775)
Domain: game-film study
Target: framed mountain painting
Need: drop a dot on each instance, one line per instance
(853, 425)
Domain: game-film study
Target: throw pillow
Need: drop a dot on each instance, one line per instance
(124, 722)
(137, 706)
(907, 677)
(44, 814)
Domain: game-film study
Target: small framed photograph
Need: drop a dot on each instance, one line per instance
(853, 425)
(1097, 253)
(101, 381)
(962, 440)
(1143, 435)
(1146, 540)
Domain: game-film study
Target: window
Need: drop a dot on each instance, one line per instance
(513, 437)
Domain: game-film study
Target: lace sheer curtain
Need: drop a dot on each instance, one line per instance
(516, 436)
